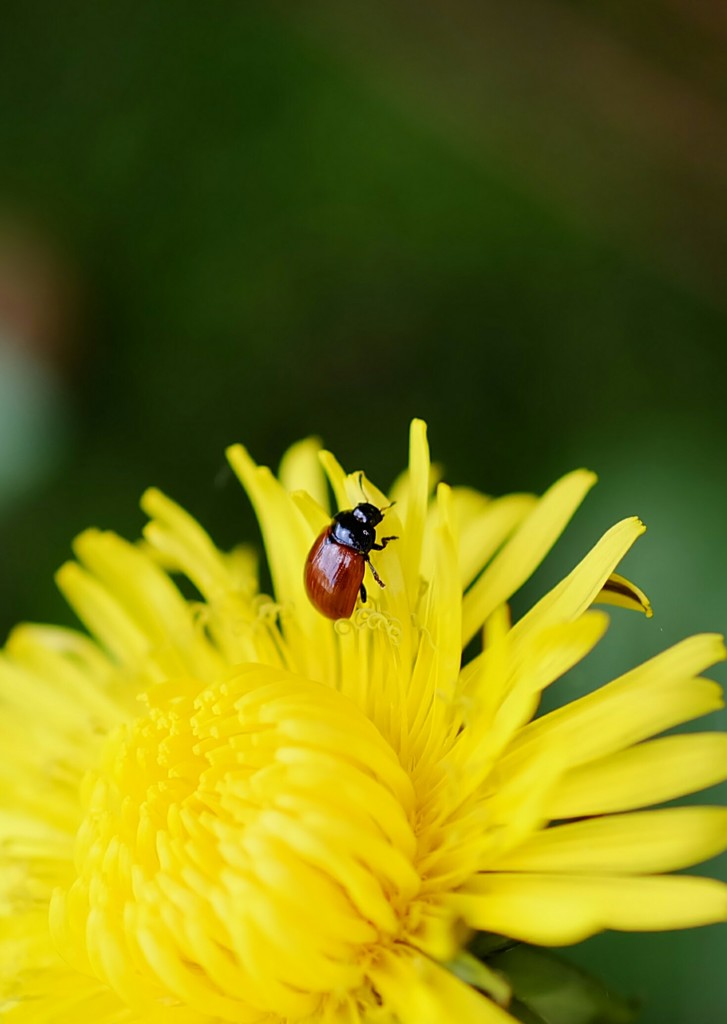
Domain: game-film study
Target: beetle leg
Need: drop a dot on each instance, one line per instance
(363, 594)
(375, 574)
(382, 545)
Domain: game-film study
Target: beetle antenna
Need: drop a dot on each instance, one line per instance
(361, 486)
(383, 509)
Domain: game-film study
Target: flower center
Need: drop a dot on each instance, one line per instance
(245, 850)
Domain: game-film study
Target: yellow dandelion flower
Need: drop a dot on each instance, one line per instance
(233, 809)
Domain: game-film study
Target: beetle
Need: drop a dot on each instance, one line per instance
(335, 567)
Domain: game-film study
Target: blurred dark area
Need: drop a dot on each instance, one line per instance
(257, 221)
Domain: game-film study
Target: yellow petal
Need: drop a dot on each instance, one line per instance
(622, 593)
(641, 842)
(524, 551)
(502, 689)
(146, 592)
(649, 773)
(186, 547)
(123, 587)
(102, 614)
(53, 678)
(312, 512)
(288, 539)
(483, 526)
(581, 587)
(655, 696)
(75, 998)
(410, 544)
(553, 653)
(421, 992)
(300, 470)
(436, 669)
(337, 478)
(556, 910)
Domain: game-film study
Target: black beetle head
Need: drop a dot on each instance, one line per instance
(368, 514)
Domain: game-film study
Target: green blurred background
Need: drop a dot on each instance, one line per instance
(243, 221)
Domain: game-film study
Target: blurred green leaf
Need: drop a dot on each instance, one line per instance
(549, 990)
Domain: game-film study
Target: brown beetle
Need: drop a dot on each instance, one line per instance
(335, 567)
